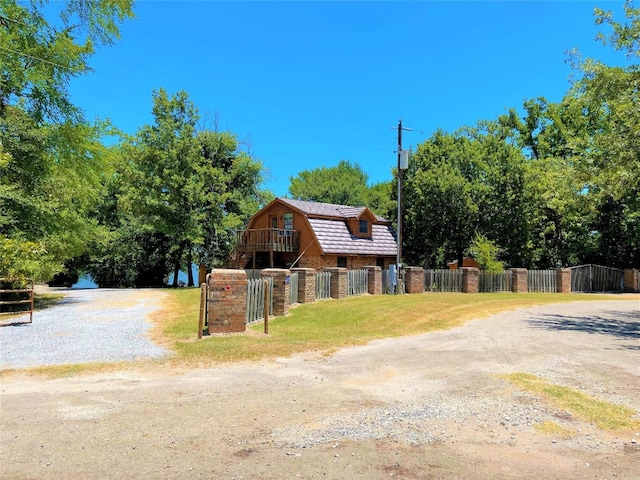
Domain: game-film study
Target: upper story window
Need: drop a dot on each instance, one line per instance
(363, 227)
(288, 221)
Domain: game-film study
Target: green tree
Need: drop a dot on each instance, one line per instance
(180, 196)
(344, 184)
(52, 162)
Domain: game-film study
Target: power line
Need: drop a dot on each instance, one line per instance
(17, 52)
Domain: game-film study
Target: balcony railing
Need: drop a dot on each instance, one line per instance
(268, 240)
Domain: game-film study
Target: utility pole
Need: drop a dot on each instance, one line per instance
(402, 165)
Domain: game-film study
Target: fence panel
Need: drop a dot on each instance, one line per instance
(596, 278)
(358, 282)
(293, 288)
(443, 280)
(542, 281)
(255, 299)
(252, 274)
(323, 285)
(16, 298)
(494, 282)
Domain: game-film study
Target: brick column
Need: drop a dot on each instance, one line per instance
(280, 289)
(632, 280)
(519, 280)
(227, 301)
(339, 282)
(564, 280)
(469, 280)
(414, 279)
(375, 279)
(306, 284)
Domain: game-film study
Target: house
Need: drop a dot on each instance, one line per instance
(466, 262)
(298, 233)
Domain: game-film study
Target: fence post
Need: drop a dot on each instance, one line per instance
(280, 289)
(632, 280)
(469, 280)
(375, 279)
(519, 280)
(306, 284)
(564, 280)
(227, 302)
(339, 282)
(203, 308)
(414, 279)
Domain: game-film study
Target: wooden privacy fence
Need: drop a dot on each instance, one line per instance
(443, 280)
(256, 298)
(16, 298)
(293, 288)
(323, 285)
(596, 278)
(542, 281)
(494, 281)
(358, 282)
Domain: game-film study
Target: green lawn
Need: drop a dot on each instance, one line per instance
(328, 325)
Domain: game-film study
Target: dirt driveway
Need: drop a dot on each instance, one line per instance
(428, 406)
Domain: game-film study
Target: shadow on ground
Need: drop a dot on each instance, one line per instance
(624, 325)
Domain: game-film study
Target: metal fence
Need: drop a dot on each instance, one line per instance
(494, 281)
(442, 280)
(358, 282)
(323, 285)
(255, 299)
(596, 278)
(16, 298)
(542, 281)
(252, 274)
(293, 288)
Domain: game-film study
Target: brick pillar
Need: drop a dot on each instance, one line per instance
(414, 279)
(306, 284)
(339, 282)
(280, 289)
(632, 280)
(564, 280)
(469, 280)
(375, 279)
(519, 280)
(227, 301)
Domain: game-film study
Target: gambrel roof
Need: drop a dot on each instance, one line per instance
(329, 224)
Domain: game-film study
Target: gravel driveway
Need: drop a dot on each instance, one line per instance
(94, 325)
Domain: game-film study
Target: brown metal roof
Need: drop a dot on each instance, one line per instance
(334, 238)
(328, 209)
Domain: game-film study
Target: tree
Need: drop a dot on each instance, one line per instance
(180, 196)
(52, 162)
(344, 184)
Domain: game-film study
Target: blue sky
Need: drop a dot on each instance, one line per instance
(307, 84)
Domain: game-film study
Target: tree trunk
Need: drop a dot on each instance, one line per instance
(189, 266)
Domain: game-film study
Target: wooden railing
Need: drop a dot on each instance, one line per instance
(16, 298)
(268, 240)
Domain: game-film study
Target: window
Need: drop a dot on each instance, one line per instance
(342, 262)
(288, 221)
(363, 227)
(274, 222)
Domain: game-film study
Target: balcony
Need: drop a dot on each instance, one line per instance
(267, 240)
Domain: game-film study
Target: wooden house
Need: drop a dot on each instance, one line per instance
(288, 233)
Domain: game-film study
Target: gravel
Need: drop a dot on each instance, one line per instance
(94, 325)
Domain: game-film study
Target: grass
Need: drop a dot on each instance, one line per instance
(328, 325)
(46, 300)
(552, 428)
(606, 415)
